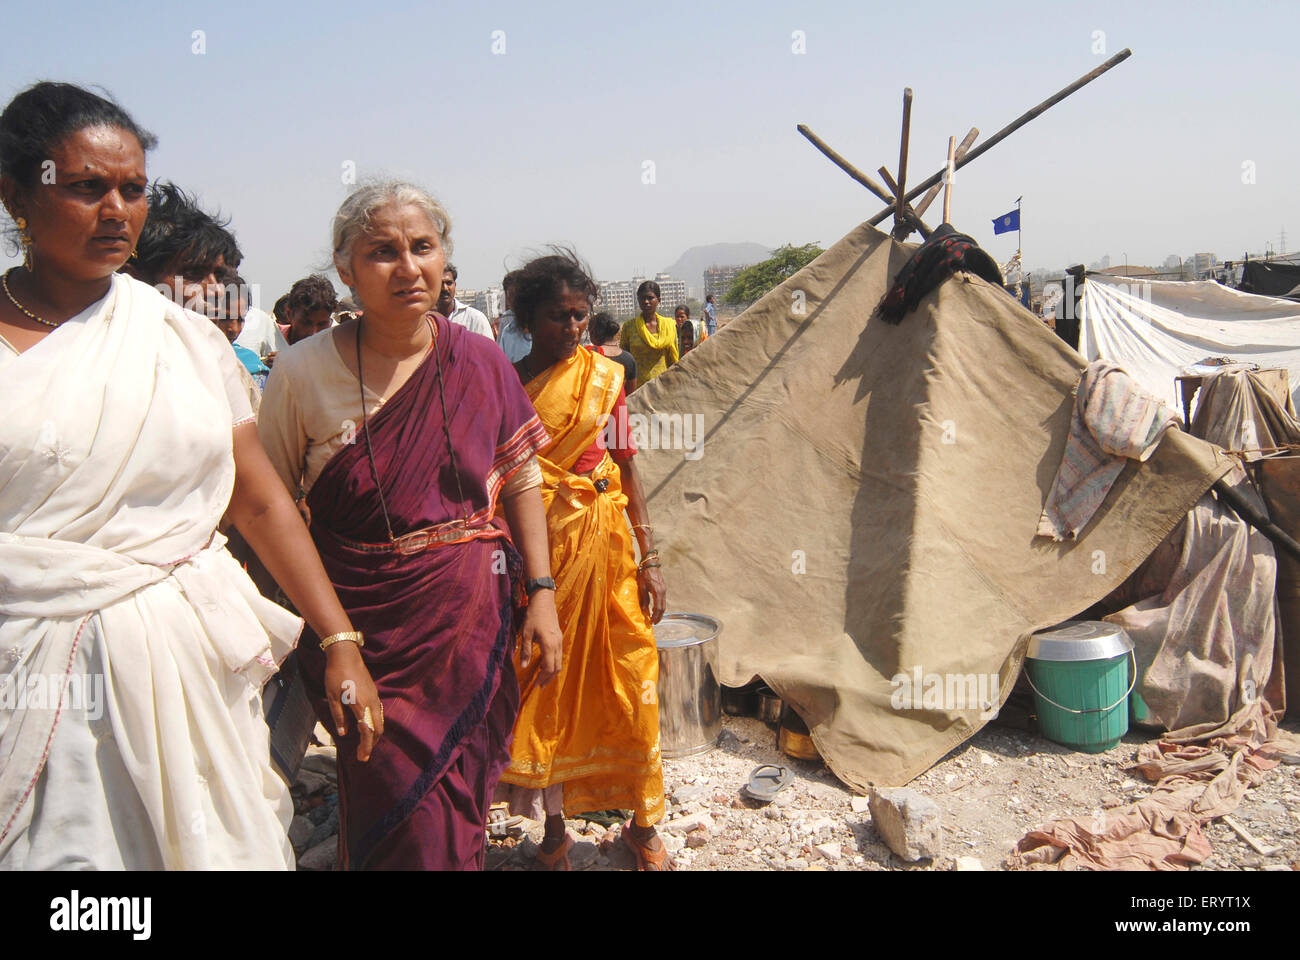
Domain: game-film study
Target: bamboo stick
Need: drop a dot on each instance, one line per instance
(947, 181)
(911, 220)
(900, 201)
(1009, 129)
(847, 167)
(933, 192)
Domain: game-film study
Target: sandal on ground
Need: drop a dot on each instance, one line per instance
(557, 859)
(647, 859)
(766, 781)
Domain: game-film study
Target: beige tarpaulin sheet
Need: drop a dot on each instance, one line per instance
(864, 501)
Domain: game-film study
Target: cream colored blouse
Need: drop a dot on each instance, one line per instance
(312, 407)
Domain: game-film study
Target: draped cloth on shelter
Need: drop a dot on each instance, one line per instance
(865, 499)
(1154, 328)
(595, 728)
(1199, 776)
(1114, 420)
(1244, 410)
(116, 467)
(438, 613)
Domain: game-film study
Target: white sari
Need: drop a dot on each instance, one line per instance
(116, 466)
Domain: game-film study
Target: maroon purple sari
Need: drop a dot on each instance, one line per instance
(439, 611)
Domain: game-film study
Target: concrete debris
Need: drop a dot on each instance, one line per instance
(909, 823)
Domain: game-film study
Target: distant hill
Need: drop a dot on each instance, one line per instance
(690, 266)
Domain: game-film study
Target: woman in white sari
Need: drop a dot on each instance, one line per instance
(132, 646)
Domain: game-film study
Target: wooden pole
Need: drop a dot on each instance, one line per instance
(911, 219)
(933, 192)
(947, 182)
(1009, 129)
(847, 167)
(899, 200)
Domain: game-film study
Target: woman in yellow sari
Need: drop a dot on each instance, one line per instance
(589, 740)
(650, 337)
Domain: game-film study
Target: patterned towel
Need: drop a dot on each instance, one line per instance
(1113, 420)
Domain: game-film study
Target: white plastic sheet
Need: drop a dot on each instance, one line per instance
(1154, 328)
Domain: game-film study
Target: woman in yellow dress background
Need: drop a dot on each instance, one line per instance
(589, 740)
(650, 337)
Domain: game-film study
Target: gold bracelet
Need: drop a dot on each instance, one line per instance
(642, 526)
(333, 638)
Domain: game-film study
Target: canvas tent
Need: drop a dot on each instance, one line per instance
(864, 501)
(1154, 328)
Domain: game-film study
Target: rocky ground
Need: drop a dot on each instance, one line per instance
(988, 792)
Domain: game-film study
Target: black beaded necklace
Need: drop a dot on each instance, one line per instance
(446, 428)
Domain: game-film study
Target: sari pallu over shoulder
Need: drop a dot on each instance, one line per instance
(115, 468)
(439, 613)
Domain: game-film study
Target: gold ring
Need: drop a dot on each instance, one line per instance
(365, 718)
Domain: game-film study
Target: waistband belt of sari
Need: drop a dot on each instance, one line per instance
(454, 531)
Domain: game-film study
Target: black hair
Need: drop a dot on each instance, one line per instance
(509, 280)
(311, 294)
(451, 268)
(236, 289)
(648, 285)
(278, 310)
(541, 280)
(682, 306)
(38, 119)
(180, 239)
(602, 329)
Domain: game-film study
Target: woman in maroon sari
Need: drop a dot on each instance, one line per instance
(405, 431)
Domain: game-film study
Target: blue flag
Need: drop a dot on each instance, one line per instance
(1007, 222)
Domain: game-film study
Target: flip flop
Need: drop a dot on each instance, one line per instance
(499, 820)
(557, 859)
(647, 859)
(766, 781)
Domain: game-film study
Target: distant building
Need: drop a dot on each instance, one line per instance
(618, 298)
(718, 280)
(1203, 264)
(490, 302)
(672, 293)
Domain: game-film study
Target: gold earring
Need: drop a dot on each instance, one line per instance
(25, 240)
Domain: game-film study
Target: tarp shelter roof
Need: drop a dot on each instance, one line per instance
(864, 502)
(1270, 279)
(1155, 328)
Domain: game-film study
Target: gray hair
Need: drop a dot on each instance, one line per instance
(354, 215)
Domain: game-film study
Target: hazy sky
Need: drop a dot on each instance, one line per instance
(547, 141)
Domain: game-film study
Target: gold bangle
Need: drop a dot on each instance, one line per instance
(333, 638)
(642, 526)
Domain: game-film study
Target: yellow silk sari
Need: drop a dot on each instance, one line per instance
(595, 728)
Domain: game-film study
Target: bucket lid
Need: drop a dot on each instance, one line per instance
(1079, 640)
(685, 629)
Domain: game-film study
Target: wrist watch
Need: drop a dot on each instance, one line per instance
(539, 583)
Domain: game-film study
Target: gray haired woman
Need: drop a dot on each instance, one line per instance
(415, 444)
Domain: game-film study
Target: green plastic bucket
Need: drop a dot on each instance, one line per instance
(1079, 672)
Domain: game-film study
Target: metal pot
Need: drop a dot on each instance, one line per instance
(690, 699)
(769, 705)
(794, 739)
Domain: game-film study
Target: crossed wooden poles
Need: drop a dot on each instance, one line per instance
(895, 193)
